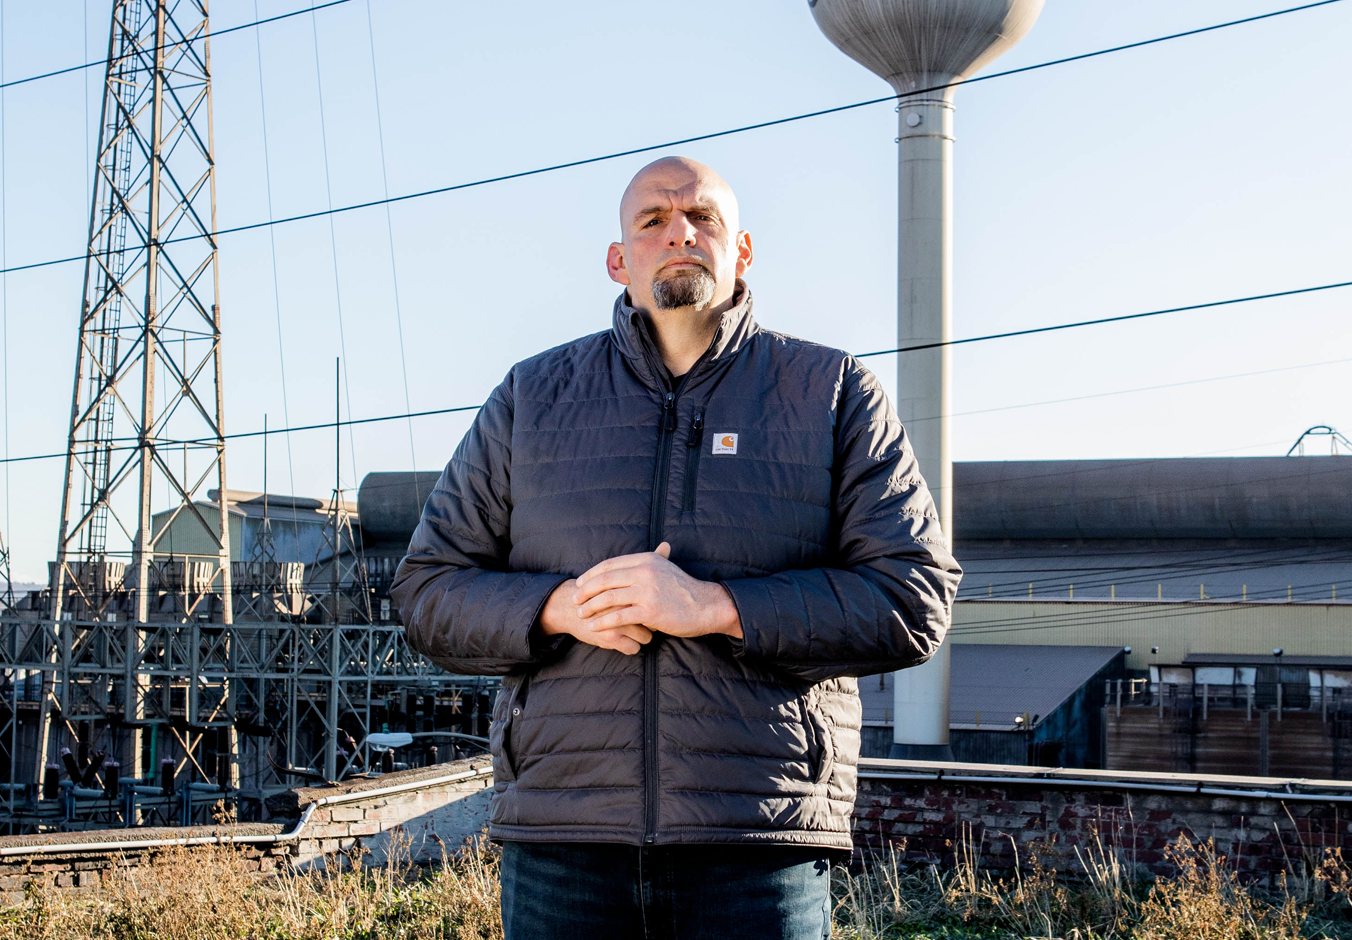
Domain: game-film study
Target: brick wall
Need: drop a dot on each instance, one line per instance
(927, 811)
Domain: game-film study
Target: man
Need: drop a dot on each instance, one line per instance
(678, 541)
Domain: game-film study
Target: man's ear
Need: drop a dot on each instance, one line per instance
(744, 252)
(615, 264)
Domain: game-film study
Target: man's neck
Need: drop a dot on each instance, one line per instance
(683, 334)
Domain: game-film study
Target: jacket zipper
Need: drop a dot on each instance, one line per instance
(656, 519)
(693, 443)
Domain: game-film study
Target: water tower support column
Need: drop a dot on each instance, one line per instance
(925, 315)
(915, 45)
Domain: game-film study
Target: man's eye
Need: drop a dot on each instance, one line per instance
(651, 223)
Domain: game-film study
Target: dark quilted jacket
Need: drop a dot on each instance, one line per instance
(819, 526)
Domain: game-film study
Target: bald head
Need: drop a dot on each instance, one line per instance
(676, 180)
(680, 247)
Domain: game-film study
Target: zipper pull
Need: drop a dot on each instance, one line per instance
(696, 429)
(669, 412)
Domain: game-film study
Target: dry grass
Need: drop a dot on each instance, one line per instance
(1101, 900)
(209, 893)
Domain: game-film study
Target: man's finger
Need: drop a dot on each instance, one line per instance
(623, 596)
(626, 646)
(613, 564)
(615, 618)
(619, 637)
(607, 581)
(664, 550)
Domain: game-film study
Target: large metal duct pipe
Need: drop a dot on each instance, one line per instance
(390, 504)
(918, 44)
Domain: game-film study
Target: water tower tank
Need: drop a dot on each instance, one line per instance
(916, 45)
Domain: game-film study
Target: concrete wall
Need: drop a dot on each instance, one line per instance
(422, 812)
(429, 816)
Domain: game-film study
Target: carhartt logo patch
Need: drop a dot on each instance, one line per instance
(725, 444)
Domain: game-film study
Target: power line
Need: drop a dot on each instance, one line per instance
(220, 32)
(994, 336)
(1152, 388)
(389, 200)
(1118, 319)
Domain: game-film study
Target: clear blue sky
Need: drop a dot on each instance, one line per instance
(1206, 168)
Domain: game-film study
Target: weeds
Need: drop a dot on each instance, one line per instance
(209, 892)
(1103, 898)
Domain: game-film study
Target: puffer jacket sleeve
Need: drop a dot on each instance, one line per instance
(461, 607)
(886, 601)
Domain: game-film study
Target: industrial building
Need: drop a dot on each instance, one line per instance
(1183, 565)
(1013, 704)
(294, 525)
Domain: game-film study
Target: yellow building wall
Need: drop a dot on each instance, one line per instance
(1178, 629)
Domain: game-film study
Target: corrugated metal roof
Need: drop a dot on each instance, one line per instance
(999, 682)
(1171, 570)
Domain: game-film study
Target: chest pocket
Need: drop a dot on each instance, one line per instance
(694, 445)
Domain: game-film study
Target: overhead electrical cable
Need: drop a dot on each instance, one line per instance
(276, 288)
(102, 63)
(712, 135)
(1176, 570)
(1127, 316)
(1148, 388)
(433, 412)
(1125, 613)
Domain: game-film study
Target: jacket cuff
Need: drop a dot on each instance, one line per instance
(540, 646)
(756, 611)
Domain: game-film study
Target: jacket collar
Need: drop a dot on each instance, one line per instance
(631, 334)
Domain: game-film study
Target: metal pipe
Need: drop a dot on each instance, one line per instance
(1110, 785)
(273, 839)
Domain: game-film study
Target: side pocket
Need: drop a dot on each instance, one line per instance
(821, 730)
(693, 450)
(506, 711)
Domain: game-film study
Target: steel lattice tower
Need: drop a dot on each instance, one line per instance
(146, 428)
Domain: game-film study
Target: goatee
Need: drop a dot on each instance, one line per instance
(686, 289)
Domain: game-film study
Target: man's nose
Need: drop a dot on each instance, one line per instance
(680, 232)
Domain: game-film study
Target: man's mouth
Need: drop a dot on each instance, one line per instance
(684, 263)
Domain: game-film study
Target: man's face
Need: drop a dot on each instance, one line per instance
(681, 246)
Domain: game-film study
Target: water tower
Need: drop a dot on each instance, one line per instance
(920, 44)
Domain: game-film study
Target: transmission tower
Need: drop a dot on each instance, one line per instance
(146, 427)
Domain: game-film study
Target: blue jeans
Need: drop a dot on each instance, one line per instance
(595, 891)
